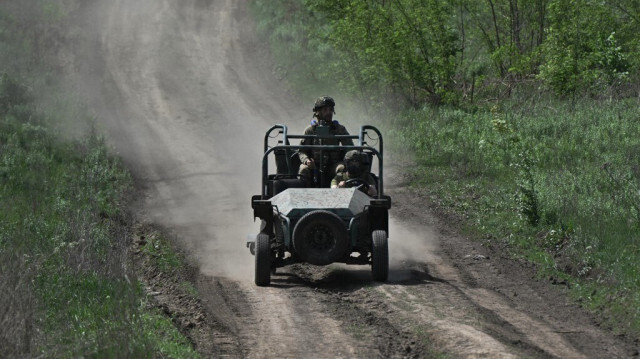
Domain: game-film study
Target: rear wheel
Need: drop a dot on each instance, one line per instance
(263, 260)
(380, 256)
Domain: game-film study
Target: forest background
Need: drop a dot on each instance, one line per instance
(522, 117)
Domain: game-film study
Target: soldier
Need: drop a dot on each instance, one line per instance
(323, 112)
(357, 169)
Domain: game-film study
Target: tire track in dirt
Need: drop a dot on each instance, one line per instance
(263, 320)
(186, 99)
(192, 107)
(473, 293)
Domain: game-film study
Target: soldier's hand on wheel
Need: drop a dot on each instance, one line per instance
(341, 184)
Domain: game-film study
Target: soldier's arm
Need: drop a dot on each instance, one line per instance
(304, 154)
(336, 181)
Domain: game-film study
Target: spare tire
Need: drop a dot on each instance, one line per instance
(320, 238)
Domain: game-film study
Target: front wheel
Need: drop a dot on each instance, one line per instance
(380, 256)
(263, 260)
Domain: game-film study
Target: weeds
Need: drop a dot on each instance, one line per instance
(66, 284)
(159, 250)
(526, 194)
(67, 288)
(574, 172)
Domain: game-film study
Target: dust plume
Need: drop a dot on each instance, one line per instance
(408, 243)
(185, 92)
(180, 90)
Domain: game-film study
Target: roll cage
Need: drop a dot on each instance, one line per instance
(287, 162)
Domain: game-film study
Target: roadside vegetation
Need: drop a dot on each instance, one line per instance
(67, 286)
(522, 117)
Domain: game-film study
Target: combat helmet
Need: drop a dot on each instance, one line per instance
(356, 162)
(323, 101)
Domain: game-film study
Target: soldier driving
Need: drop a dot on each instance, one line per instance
(323, 112)
(356, 174)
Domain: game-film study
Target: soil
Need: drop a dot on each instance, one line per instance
(185, 91)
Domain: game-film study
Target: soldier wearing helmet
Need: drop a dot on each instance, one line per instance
(323, 112)
(356, 174)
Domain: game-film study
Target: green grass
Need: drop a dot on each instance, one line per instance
(159, 249)
(559, 184)
(67, 285)
(189, 288)
(555, 181)
(169, 342)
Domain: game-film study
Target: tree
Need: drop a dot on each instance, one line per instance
(404, 48)
(581, 50)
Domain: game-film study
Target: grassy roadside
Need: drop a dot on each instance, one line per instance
(67, 288)
(557, 184)
(67, 284)
(555, 181)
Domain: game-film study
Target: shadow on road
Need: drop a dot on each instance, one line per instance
(345, 278)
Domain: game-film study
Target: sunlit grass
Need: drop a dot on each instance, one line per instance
(559, 184)
(67, 286)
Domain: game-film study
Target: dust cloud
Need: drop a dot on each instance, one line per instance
(184, 92)
(408, 243)
(180, 90)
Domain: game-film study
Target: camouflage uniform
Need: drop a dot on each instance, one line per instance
(334, 158)
(357, 167)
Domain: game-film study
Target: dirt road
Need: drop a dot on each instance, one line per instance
(185, 91)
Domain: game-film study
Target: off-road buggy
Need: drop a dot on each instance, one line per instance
(303, 222)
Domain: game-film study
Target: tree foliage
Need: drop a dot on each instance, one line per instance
(437, 51)
(582, 51)
(400, 49)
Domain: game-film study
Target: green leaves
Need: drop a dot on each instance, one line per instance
(582, 51)
(435, 51)
(402, 49)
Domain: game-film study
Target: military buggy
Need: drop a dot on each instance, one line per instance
(304, 222)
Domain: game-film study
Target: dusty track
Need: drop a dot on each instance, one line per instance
(183, 90)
